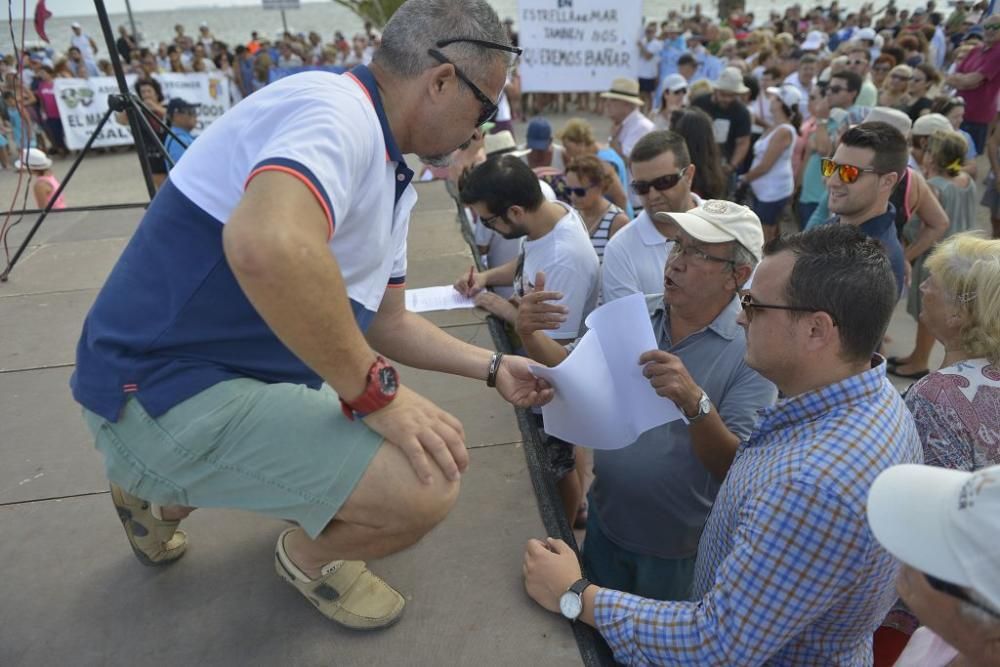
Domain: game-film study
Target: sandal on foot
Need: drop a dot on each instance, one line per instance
(346, 592)
(154, 541)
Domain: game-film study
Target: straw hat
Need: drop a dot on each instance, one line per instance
(626, 90)
(500, 143)
(35, 158)
(731, 81)
(894, 117)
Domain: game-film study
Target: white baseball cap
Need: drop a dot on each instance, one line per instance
(674, 82)
(75, 24)
(930, 123)
(719, 221)
(814, 41)
(787, 93)
(942, 522)
(894, 117)
(866, 34)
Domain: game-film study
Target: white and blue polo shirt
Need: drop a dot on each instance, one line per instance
(171, 319)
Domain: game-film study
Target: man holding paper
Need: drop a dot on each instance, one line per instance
(650, 500)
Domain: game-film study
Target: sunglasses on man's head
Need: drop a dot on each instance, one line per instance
(848, 172)
(488, 108)
(662, 184)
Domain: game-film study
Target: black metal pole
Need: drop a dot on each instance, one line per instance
(131, 22)
(130, 111)
(54, 197)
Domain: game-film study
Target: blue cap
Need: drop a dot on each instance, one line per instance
(974, 31)
(539, 134)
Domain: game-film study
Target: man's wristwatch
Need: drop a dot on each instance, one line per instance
(571, 602)
(704, 407)
(381, 386)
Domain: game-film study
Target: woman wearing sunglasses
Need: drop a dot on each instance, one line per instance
(770, 175)
(587, 184)
(895, 93)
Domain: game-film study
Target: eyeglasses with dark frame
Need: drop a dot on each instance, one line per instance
(960, 593)
(581, 192)
(488, 108)
(661, 183)
(489, 222)
(749, 305)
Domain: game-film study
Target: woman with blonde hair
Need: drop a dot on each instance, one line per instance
(577, 137)
(895, 93)
(956, 191)
(955, 407)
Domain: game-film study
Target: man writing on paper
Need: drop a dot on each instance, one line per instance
(504, 192)
(263, 269)
(650, 500)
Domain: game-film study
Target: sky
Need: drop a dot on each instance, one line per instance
(85, 7)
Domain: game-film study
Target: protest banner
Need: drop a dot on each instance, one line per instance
(82, 103)
(577, 45)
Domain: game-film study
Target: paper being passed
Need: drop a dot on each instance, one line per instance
(427, 299)
(602, 399)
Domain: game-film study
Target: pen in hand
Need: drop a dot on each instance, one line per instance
(471, 281)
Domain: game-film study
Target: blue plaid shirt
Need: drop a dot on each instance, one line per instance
(787, 572)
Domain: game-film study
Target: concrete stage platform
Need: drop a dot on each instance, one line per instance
(73, 594)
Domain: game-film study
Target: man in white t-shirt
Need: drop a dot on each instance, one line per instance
(634, 258)
(87, 46)
(505, 194)
(649, 64)
(234, 357)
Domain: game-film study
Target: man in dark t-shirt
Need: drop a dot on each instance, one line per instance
(730, 118)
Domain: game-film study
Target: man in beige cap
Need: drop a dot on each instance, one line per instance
(623, 105)
(650, 500)
(730, 119)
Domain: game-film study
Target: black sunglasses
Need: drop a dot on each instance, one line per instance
(958, 592)
(579, 192)
(489, 222)
(663, 183)
(488, 108)
(833, 90)
(749, 305)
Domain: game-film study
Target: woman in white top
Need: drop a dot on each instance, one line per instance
(770, 176)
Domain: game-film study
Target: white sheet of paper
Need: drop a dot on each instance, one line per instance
(444, 297)
(602, 399)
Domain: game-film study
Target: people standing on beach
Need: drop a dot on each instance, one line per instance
(87, 46)
(266, 344)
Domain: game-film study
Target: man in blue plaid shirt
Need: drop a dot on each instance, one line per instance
(788, 572)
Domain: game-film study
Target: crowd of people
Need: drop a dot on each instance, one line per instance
(851, 130)
(768, 526)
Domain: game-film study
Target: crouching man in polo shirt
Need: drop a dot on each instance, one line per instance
(234, 356)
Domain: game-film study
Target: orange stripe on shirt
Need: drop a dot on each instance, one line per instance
(308, 184)
(369, 96)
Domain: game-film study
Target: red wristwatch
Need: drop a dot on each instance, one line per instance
(380, 388)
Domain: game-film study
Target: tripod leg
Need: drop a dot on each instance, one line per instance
(54, 197)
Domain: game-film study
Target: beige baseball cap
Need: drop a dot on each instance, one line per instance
(930, 123)
(719, 221)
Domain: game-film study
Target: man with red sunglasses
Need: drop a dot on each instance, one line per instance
(860, 178)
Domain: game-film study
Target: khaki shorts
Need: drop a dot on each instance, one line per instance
(283, 450)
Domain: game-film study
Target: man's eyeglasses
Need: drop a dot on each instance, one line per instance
(992, 27)
(833, 90)
(490, 222)
(488, 108)
(663, 183)
(848, 172)
(960, 593)
(695, 252)
(580, 192)
(857, 62)
(749, 306)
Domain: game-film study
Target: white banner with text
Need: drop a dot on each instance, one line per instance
(577, 45)
(82, 103)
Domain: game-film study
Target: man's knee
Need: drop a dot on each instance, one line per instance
(427, 506)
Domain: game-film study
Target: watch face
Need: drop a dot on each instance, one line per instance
(388, 381)
(570, 605)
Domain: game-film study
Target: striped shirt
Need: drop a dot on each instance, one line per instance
(788, 572)
(599, 237)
